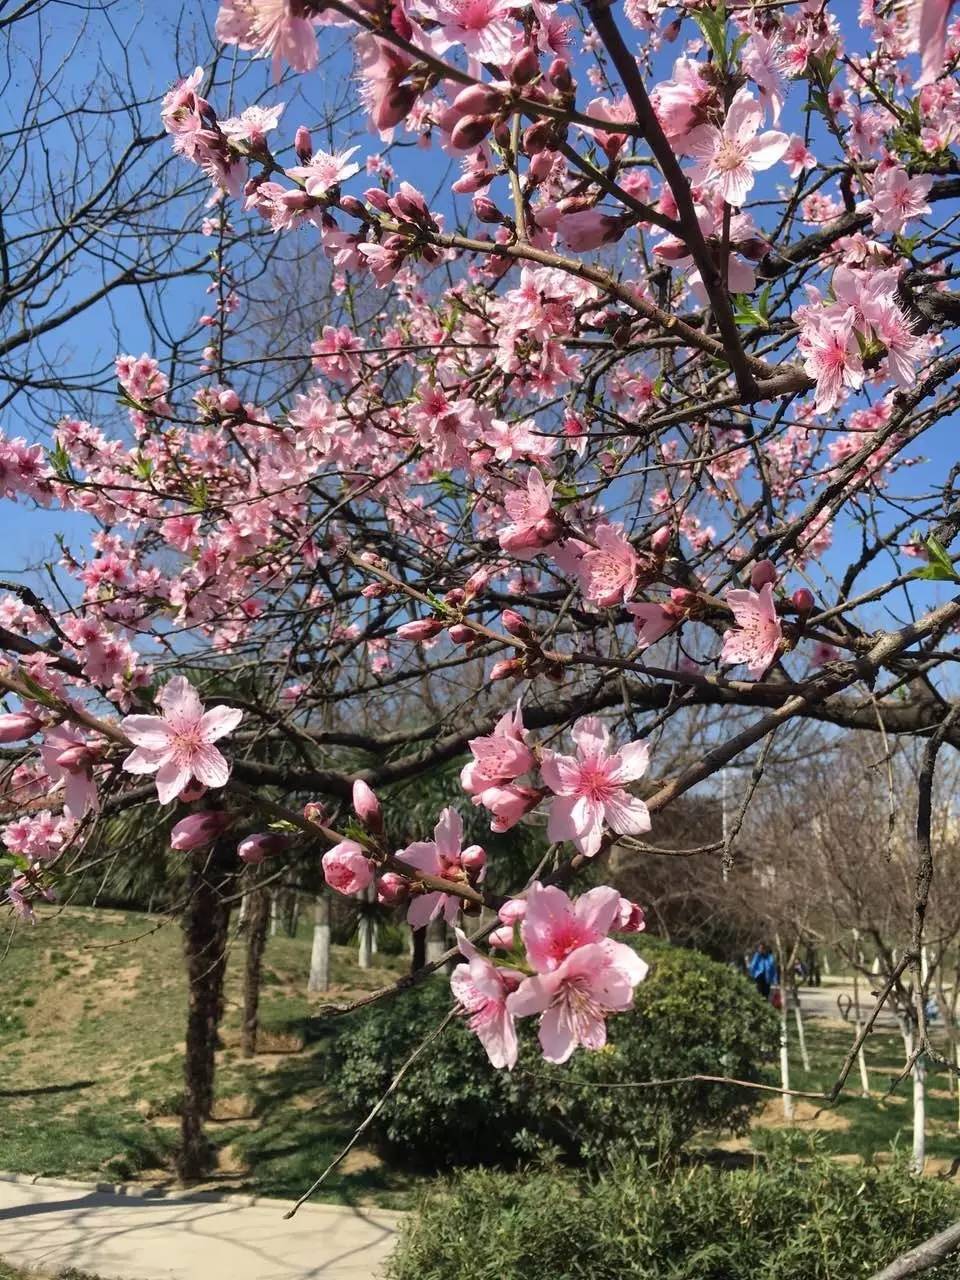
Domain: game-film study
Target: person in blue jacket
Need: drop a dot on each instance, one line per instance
(763, 969)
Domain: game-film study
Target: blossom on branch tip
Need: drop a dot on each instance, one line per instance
(589, 788)
(178, 744)
(755, 641)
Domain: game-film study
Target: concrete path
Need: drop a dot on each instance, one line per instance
(135, 1237)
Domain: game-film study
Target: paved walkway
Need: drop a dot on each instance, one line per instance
(126, 1237)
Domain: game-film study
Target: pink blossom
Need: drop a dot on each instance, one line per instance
(441, 857)
(178, 745)
(589, 787)
(756, 640)
(932, 38)
(347, 868)
(582, 975)
(831, 356)
(481, 988)
(798, 157)
(276, 28)
(608, 572)
(534, 524)
(324, 170)
(729, 157)
(68, 759)
(763, 61)
(897, 198)
(653, 621)
(575, 1000)
(485, 28)
(499, 757)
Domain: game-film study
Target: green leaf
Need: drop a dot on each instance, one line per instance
(940, 568)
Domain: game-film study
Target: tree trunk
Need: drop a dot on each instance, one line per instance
(801, 1036)
(366, 927)
(319, 979)
(293, 913)
(258, 917)
(418, 949)
(206, 922)
(784, 1049)
(861, 1056)
(918, 1073)
(436, 939)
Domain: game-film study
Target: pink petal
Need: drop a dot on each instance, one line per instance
(422, 854)
(142, 760)
(560, 773)
(209, 767)
(219, 721)
(634, 759)
(171, 779)
(180, 698)
(627, 815)
(767, 149)
(423, 909)
(598, 908)
(151, 732)
(448, 834)
(591, 735)
(532, 996)
(557, 1038)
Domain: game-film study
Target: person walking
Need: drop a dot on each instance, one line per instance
(763, 969)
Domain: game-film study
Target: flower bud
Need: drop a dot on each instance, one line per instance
(378, 198)
(537, 137)
(526, 66)
(392, 889)
(509, 669)
(470, 131)
(763, 572)
(539, 167)
(660, 541)
(17, 725)
(502, 939)
(394, 107)
(683, 597)
(485, 210)
(253, 849)
(198, 830)
(512, 911)
(478, 99)
(460, 633)
(346, 868)
(303, 144)
(476, 582)
(229, 402)
(550, 528)
(630, 918)
(473, 860)
(471, 182)
(421, 629)
(802, 599)
(455, 596)
(353, 206)
(558, 73)
(513, 624)
(374, 590)
(315, 812)
(77, 759)
(366, 806)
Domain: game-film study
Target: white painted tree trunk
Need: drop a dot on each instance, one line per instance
(319, 979)
(366, 931)
(801, 1035)
(919, 1115)
(861, 1056)
(784, 1045)
(918, 1073)
(436, 940)
(273, 914)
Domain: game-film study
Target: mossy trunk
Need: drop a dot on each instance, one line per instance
(205, 930)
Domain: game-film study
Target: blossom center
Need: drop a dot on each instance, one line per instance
(728, 157)
(595, 784)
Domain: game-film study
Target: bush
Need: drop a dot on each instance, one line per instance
(690, 1016)
(793, 1221)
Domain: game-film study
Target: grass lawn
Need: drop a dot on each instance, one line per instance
(92, 1015)
(92, 1011)
(870, 1129)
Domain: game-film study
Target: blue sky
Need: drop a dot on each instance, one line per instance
(158, 53)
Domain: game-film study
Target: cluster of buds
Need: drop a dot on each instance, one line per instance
(481, 109)
(407, 206)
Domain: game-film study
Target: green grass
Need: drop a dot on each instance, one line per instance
(870, 1129)
(93, 1013)
(14, 1273)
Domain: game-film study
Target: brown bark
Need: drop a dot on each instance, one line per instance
(258, 917)
(205, 927)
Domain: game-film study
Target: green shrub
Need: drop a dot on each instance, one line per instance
(691, 1016)
(794, 1221)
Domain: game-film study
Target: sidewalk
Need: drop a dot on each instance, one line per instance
(133, 1237)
